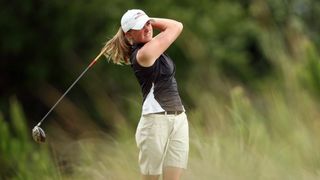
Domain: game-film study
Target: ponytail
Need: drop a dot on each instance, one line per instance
(117, 49)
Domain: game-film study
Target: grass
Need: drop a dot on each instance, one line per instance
(274, 138)
(239, 142)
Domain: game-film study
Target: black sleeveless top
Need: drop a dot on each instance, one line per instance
(158, 84)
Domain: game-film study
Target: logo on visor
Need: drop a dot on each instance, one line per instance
(139, 14)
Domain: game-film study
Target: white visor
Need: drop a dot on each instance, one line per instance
(134, 19)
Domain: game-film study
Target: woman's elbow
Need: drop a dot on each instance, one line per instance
(180, 26)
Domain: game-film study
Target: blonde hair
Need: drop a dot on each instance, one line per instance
(117, 49)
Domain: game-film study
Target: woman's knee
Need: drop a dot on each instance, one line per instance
(150, 177)
(172, 173)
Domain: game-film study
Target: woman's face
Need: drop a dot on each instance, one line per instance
(141, 36)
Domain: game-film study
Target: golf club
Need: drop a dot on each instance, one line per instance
(37, 133)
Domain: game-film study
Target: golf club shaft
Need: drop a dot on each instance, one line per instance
(91, 64)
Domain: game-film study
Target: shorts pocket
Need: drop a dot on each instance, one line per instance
(144, 129)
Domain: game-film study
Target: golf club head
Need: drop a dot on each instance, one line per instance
(38, 135)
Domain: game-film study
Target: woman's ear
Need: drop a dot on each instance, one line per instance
(128, 36)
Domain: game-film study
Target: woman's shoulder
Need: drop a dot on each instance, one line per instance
(133, 58)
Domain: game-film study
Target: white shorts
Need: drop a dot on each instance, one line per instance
(163, 140)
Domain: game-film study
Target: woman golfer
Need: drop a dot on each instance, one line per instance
(162, 133)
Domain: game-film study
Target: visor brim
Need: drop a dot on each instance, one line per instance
(140, 24)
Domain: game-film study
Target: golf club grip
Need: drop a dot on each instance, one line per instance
(91, 64)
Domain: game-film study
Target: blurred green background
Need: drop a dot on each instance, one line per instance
(248, 73)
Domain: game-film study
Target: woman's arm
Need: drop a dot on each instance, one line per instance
(170, 30)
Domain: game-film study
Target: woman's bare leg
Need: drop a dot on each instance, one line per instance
(150, 177)
(172, 173)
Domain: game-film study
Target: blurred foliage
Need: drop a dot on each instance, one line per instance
(248, 73)
(20, 157)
